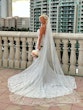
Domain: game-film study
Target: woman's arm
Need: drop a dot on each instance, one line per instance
(42, 32)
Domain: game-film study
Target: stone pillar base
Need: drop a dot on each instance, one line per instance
(65, 69)
(17, 64)
(72, 70)
(80, 70)
(5, 63)
(29, 63)
(11, 64)
(23, 64)
(0, 63)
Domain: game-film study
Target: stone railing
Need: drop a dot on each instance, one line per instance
(16, 47)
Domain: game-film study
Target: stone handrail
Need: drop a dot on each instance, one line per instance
(16, 47)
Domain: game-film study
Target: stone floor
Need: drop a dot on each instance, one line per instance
(6, 104)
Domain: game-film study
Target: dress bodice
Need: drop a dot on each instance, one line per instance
(38, 34)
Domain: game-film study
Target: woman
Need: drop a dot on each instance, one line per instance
(44, 81)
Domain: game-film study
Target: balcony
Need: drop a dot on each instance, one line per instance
(15, 56)
(15, 49)
(44, 2)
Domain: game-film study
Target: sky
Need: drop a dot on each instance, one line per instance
(21, 8)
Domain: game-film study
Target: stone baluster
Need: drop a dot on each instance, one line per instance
(5, 54)
(72, 57)
(12, 53)
(17, 53)
(57, 41)
(0, 51)
(65, 57)
(30, 45)
(24, 55)
(80, 58)
(35, 41)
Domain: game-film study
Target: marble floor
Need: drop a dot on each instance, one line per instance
(6, 104)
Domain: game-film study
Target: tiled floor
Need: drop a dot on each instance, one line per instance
(6, 104)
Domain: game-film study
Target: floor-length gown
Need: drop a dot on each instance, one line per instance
(44, 81)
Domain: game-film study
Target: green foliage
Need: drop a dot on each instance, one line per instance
(13, 29)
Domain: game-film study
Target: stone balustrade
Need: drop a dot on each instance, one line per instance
(16, 47)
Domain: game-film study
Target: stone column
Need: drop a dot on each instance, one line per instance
(17, 53)
(30, 45)
(24, 54)
(65, 57)
(5, 54)
(0, 52)
(80, 58)
(12, 53)
(72, 57)
(57, 41)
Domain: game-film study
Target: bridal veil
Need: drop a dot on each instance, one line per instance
(43, 82)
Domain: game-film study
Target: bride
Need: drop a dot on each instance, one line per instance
(44, 81)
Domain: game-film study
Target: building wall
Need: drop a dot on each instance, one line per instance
(9, 8)
(67, 16)
(0, 8)
(53, 4)
(80, 17)
(15, 23)
(31, 15)
(22, 22)
(5, 8)
(38, 7)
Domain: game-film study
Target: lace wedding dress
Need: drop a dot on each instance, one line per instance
(43, 83)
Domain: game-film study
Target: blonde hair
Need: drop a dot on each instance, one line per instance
(44, 16)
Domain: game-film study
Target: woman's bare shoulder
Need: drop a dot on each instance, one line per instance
(43, 29)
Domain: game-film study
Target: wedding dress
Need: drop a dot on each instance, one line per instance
(43, 83)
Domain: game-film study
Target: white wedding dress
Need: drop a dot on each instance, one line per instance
(44, 81)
